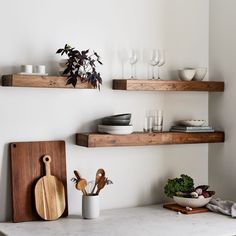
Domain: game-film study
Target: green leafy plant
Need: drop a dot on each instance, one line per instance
(82, 65)
(183, 184)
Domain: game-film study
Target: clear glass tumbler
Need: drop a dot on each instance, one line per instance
(158, 121)
(148, 121)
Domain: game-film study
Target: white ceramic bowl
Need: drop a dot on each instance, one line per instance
(113, 129)
(186, 74)
(192, 202)
(195, 123)
(200, 73)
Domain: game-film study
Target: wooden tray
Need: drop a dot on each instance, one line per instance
(176, 207)
(26, 169)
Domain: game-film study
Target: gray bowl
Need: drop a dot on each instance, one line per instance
(126, 116)
(108, 121)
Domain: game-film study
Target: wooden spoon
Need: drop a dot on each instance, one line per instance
(99, 175)
(101, 184)
(81, 183)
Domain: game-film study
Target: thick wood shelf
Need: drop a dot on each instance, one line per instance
(144, 139)
(167, 85)
(16, 80)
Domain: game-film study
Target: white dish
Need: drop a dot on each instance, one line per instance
(194, 123)
(192, 202)
(186, 74)
(23, 73)
(111, 129)
(200, 74)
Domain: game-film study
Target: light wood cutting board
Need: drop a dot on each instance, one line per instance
(27, 168)
(49, 194)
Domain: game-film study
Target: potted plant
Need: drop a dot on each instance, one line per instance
(81, 65)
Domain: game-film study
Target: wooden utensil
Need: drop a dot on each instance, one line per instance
(81, 183)
(27, 168)
(101, 184)
(49, 194)
(77, 175)
(100, 174)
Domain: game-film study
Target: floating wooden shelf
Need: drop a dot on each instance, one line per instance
(167, 85)
(16, 80)
(144, 139)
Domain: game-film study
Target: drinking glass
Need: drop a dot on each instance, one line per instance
(154, 60)
(158, 121)
(161, 62)
(133, 58)
(148, 121)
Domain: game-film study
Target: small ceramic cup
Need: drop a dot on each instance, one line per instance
(90, 206)
(40, 69)
(27, 69)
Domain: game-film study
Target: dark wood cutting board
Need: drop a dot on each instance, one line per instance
(176, 207)
(26, 169)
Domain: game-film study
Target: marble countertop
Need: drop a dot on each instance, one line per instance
(138, 221)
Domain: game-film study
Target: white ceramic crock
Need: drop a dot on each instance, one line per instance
(90, 206)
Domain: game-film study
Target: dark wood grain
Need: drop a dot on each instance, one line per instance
(41, 82)
(167, 85)
(26, 169)
(144, 139)
(176, 207)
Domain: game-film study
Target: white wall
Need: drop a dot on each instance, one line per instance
(222, 111)
(33, 31)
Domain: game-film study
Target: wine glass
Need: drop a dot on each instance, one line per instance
(161, 62)
(133, 58)
(122, 57)
(154, 60)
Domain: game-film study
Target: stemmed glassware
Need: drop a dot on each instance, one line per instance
(157, 59)
(161, 62)
(154, 60)
(133, 58)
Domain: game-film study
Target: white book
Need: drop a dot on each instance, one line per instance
(192, 127)
(193, 131)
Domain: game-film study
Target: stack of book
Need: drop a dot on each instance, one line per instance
(192, 129)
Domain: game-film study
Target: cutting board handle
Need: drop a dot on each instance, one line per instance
(47, 159)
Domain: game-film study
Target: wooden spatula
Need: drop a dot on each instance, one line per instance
(101, 184)
(99, 175)
(49, 194)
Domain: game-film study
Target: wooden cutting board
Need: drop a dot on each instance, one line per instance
(49, 194)
(27, 168)
(176, 207)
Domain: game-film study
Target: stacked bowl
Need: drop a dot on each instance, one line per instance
(189, 74)
(117, 124)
